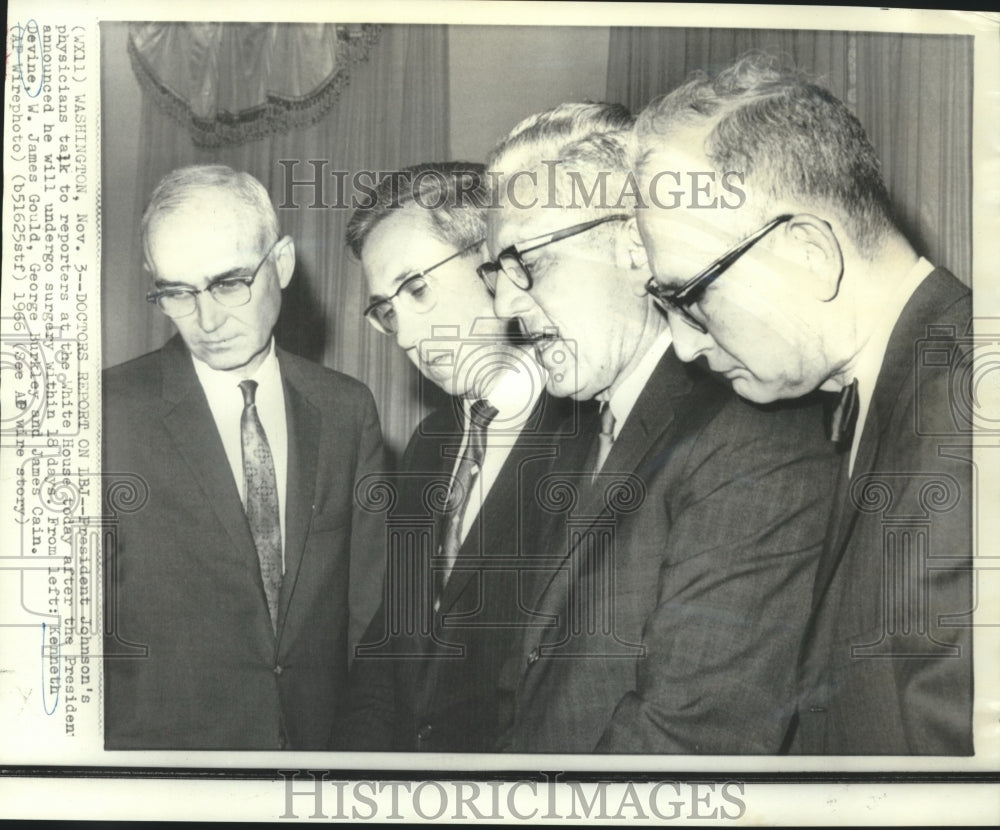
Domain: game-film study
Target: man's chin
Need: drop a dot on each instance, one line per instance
(222, 361)
(754, 391)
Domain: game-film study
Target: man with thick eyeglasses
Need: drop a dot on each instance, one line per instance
(673, 580)
(425, 676)
(812, 286)
(242, 573)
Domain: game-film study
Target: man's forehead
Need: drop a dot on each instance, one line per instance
(212, 209)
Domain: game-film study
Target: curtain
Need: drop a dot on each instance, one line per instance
(912, 93)
(392, 112)
(227, 83)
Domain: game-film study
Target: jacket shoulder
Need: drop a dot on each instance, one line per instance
(321, 380)
(135, 380)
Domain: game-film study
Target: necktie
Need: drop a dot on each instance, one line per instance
(606, 439)
(261, 488)
(469, 465)
(844, 416)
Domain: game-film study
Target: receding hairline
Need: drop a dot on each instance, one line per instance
(193, 200)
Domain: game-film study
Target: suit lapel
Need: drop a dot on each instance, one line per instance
(188, 420)
(651, 417)
(937, 292)
(304, 422)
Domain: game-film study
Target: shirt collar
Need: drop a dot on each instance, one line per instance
(625, 396)
(872, 354)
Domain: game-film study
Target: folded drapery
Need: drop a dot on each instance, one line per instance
(228, 83)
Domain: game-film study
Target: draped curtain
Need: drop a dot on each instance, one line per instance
(391, 111)
(912, 93)
(232, 82)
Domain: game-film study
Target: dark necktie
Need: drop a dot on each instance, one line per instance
(261, 488)
(606, 439)
(461, 489)
(844, 416)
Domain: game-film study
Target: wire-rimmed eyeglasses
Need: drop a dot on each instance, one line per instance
(415, 293)
(230, 290)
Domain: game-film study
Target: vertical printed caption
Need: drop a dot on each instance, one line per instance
(50, 495)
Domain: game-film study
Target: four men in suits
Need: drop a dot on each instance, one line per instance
(806, 283)
(692, 569)
(425, 677)
(678, 582)
(232, 576)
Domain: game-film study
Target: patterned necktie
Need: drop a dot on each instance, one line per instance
(469, 466)
(261, 488)
(606, 439)
(844, 416)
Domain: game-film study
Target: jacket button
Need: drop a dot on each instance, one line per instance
(424, 733)
(278, 670)
(533, 657)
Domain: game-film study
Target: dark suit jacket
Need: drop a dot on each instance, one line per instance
(192, 660)
(887, 659)
(427, 680)
(678, 584)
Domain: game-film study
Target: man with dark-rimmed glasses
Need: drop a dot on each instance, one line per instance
(241, 574)
(673, 581)
(425, 676)
(812, 286)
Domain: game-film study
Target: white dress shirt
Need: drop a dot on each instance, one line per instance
(871, 355)
(225, 399)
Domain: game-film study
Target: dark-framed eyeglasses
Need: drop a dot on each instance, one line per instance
(230, 290)
(510, 263)
(681, 299)
(414, 294)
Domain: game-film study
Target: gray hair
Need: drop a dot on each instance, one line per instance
(179, 187)
(583, 148)
(788, 136)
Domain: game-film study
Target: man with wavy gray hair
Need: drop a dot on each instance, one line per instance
(673, 580)
(239, 578)
(804, 282)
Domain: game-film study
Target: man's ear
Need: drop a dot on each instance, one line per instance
(284, 260)
(813, 245)
(631, 254)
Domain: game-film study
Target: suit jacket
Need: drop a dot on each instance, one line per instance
(887, 658)
(431, 684)
(678, 582)
(191, 658)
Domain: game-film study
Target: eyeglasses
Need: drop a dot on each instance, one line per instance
(681, 299)
(510, 263)
(229, 290)
(414, 293)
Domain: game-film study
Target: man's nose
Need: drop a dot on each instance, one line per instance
(407, 334)
(210, 313)
(509, 300)
(689, 343)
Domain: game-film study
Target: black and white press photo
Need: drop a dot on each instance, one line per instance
(559, 409)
